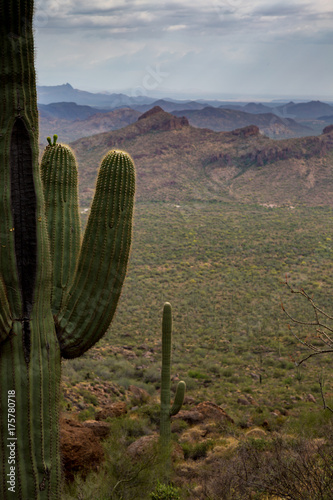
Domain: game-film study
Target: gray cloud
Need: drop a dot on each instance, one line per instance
(147, 20)
(208, 43)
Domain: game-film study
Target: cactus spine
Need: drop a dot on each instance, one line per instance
(166, 410)
(57, 297)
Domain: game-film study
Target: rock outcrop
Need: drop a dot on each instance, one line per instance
(204, 412)
(81, 451)
(249, 131)
(113, 410)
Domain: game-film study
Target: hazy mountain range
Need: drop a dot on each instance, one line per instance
(72, 113)
(84, 121)
(108, 101)
(178, 163)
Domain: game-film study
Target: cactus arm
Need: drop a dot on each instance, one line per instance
(102, 264)
(5, 314)
(179, 398)
(60, 183)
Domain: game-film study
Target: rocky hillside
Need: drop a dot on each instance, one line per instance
(177, 162)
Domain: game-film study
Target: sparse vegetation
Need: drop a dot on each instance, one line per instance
(231, 341)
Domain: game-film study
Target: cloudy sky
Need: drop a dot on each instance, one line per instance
(188, 48)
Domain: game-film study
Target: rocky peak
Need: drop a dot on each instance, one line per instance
(157, 119)
(150, 112)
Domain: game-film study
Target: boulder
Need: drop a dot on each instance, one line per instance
(203, 412)
(147, 445)
(81, 451)
(243, 402)
(140, 395)
(100, 429)
(311, 399)
(142, 446)
(113, 410)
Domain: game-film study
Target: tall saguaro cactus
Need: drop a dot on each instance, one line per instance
(57, 296)
(167, 411)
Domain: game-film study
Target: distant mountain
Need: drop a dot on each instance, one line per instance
(220, 119)
(305, 110)
(67, 111)
(71, 121)
(66, 93)
(61, 105)
(170, 106)
(251, 107)
(328, 119)
(177, 163)
(72, 129)
(257, 108)
(298, 111)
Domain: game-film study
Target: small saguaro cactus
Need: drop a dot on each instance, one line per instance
(167, 411)
(57, 294)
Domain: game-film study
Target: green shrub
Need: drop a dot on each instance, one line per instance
(179, 425)
(259, 444)
(88, 397)
(87, 414)
(152, 375)
(165, 492)
(197, 450)
(196, 374)
(311, 423)
(152, 412)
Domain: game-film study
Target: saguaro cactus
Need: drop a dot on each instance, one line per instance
(57, 296)
(167, 410)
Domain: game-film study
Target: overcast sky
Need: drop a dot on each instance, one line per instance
(195, 48)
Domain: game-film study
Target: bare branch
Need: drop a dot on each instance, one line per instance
(305, 323)
(322, 330)
(314, 354)
(325, 338)
(323, 397)
(307, 344)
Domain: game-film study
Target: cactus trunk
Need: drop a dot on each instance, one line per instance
(165, 426)
(168, 411)
(30, 354)
(47, 309)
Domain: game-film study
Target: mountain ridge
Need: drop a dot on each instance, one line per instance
(221, 119)
(74, 121)
(95, 123)
(179, 163)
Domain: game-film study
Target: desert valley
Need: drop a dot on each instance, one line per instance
(233, 209)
